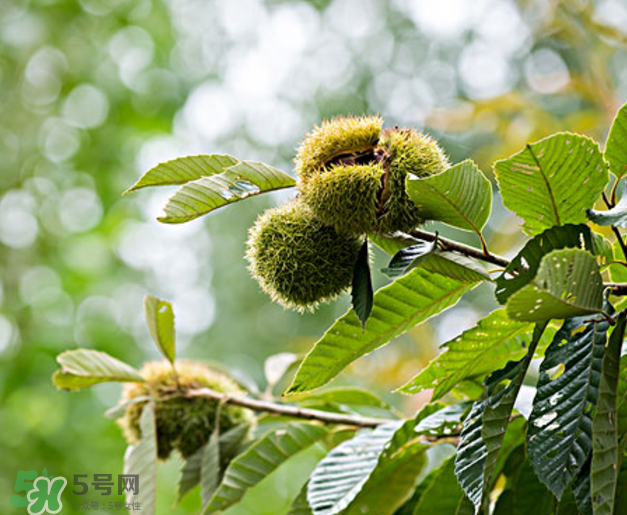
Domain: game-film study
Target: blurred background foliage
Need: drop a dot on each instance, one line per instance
(95, 92)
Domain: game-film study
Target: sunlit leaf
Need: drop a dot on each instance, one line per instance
(406, 302)
(460, 196)
(160, 320)
(84, 367)
(616, 144)
(141, 459)
(243, 180)
(568, 284)
(553, 181)
(184, 170)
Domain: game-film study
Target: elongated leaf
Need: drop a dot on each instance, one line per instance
(524, 267)
(616, 216)
(485, 426)
(410, 257)
(361, 293)
(300, 506)
(460, 196)
(141, 459)
(581, 489)
(160, 320)
(441, 420)
(245, 179)
(605, 455)
(443, 494)
(553, 181)
(183, 170)
(559, 439)
(488, 346)
(341, 474)
(568, 284)
(391, 244)
(119, 410)
(348, 396)
(190, 474)
(210, 469)
(83, 367)
(406, 302)
(261, 459)
(616, 144)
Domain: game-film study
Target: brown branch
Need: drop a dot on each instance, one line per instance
(289, 410)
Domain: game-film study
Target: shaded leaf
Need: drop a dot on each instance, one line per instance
(559, 439)
(605, 455)
(261, 459)
(210, 469)
(616, 216)
(141, 459)
(460, 196)
(484, 428)
(183, 170)
(616, 144)
(84, 367)
(443, 494)
(488, 346)
(523, 268)
(361, 292)
(568, 284)
(410, 257)
(160, 321)
(243, 180)
(581, 490)
(553, 181)
(406, 302)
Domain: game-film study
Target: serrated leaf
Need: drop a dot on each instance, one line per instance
(408, 301)
(440, 420)
(160, 321)
(184, 170)
(605, 454)
(190, 474)
(443, 494)
(141, 459)
(616, 216)
(524, 267)
(568, 284)
(210, 469)
(460, 196)
(559, 439)
(581, 489)
(261, 459)
(616, 144)
(553, 181)
(484, 428)
(495, 340)
(361, 292)
(341, 474)
(240, 181)
(410, 257)
(84, 367)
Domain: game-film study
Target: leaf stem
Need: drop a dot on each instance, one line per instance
(615, 230)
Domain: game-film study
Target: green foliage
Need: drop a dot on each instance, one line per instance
(559, 439)
(297, 260)
(397, 307)
(616, 216)
(210, 468)
(616, 145)
(568, 284)
(460, 196)
(160, 320)
(553, 181)
(361, 292)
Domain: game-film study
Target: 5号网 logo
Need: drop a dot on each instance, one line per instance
(43, 495)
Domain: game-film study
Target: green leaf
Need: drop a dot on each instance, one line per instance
(391, 244)
(210, 469)
(460, 196)
(581, 489)
(523, 268)
(160, 320)
(559, 439)
(553, 181)
(443, 494)
(616, 144)
(300, 506)
(439, 420)
(119, 410)
(485, 427)
(261, 459)
(406, 302)
(183, 170)
(361, 293)
(568, 284)
(605, 454)
(488, 346)
(410, 257)
(616, 216)
(339, 477)
(243, 180)
(83, 367)
(141, 459)
(348, 396)
(190, 474)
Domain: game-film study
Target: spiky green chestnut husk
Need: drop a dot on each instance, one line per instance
(298, 260)
(346, 197)
(405, 152)
(182, 423)
(351, 138)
